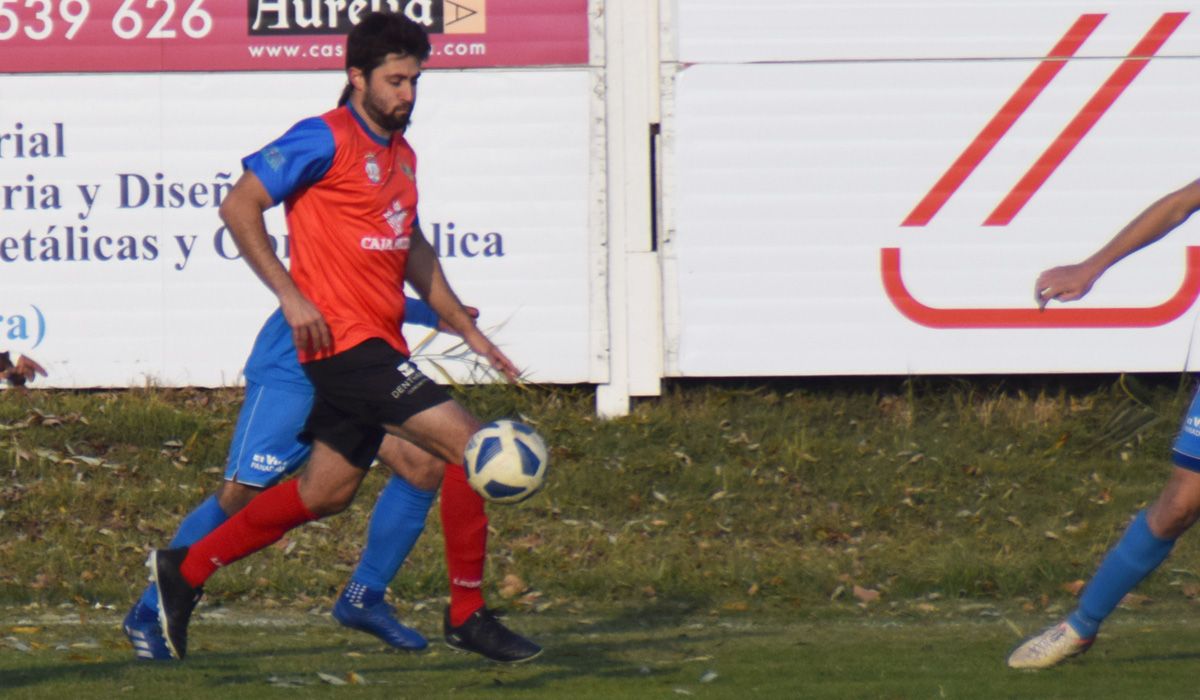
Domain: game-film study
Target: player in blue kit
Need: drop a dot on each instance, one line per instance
(1152, 534)
(265, 449)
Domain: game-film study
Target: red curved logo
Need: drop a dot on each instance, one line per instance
(1060, 317)
(1031, 182)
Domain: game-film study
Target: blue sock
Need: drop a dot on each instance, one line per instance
(205, 518)
(1137, 554)
(396, 523)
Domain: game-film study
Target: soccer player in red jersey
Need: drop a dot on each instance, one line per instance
(348, 181)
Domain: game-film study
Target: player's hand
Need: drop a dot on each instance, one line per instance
(1066, 283)
(483, 347)
(309, 330)
(447, 328)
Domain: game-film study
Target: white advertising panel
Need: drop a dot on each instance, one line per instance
(115, 269)
(891, 216)
(749, 31)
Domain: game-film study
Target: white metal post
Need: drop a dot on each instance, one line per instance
(634, 280)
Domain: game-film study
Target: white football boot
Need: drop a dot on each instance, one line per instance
(1050, 648)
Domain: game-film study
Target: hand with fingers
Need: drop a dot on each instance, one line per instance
(309, 330)
(486, 349)
(1065, 283)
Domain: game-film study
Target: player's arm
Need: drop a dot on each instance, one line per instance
(295, 160)
(424, 272)
(1071, 282)
(417, 312)
(242, 211)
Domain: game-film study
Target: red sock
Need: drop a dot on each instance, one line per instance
(261, 523)
(464, 525)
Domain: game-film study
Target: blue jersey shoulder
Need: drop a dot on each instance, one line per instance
(295, 160)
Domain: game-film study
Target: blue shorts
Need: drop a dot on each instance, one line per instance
(1186, 453)
(266, 446)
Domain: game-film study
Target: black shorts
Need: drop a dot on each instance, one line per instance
(359, 391)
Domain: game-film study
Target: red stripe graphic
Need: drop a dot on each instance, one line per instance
(1119, 317)
(1087, 117)
(1003, 120)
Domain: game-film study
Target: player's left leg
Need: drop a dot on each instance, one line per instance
(444, 429)
(396, 523)
(1145, 545)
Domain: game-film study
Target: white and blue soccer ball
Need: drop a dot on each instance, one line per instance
(506, 461)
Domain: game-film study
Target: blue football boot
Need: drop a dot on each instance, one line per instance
(380, 620)
(142, 629)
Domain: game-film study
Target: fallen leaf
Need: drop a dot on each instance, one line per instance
(512, 586)
(1074, 587)
(1133, 599)
(866, 595)
(330, 678)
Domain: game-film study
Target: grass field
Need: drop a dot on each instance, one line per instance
(618, 652)
(824, 538)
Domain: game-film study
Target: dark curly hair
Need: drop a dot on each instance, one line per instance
(378, 35)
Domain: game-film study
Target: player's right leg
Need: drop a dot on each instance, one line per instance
(264, 450)
(468, 624)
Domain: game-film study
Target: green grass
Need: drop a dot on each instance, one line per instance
(606, 651)
(797, 503)
(756, 496)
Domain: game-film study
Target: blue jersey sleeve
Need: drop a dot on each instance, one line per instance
(418, 312)
(295, 160)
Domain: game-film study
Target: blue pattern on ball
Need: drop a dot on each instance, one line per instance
(496, 489)
(529, 461)
(488, 449)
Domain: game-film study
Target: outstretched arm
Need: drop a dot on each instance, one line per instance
(424, 272)
(1071, 282)
(242, 211)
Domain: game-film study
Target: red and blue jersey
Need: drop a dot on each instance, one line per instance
(351, 202)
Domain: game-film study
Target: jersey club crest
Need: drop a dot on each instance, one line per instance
(374, 174)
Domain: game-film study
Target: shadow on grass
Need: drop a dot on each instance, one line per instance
(85, 672)
(650, 643)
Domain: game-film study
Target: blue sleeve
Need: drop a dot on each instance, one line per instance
(418, 312)
(295, 160)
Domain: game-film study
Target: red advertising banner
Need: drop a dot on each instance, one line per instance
(136, 36)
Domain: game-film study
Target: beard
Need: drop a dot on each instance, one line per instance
(395, 120)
